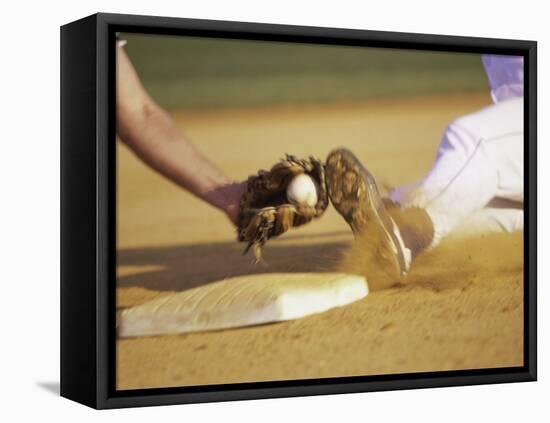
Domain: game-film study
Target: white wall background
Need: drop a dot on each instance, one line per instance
(29, 104)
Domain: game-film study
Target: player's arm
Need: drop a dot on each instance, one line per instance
(154, 137)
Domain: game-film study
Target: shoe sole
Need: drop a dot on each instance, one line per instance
(354, 194)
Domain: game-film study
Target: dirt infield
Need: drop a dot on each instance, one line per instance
(461, 307)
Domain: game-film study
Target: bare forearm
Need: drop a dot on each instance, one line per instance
(154, 137)
(152, 134)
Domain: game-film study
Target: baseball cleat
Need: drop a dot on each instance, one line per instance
(354, 194)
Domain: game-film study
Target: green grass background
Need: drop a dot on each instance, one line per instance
(192, 72)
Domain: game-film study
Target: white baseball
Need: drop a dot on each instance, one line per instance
(302, 191)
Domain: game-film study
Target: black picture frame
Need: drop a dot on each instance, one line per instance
(88, 223)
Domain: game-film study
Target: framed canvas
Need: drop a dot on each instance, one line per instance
(257, 211)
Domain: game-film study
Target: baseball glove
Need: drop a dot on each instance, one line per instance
(264, 210)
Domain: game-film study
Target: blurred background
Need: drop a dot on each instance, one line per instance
(194, 72)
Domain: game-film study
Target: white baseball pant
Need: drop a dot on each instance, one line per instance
(479, 164)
